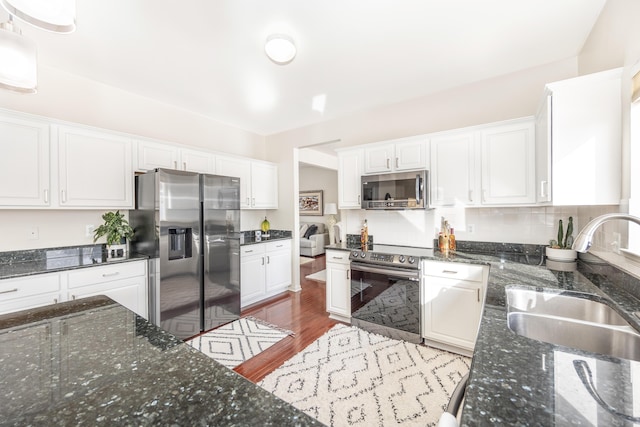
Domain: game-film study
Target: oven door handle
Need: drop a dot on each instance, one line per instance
(389, 271)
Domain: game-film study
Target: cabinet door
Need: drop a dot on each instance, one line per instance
(152, 155)
(453, 170)
(22, 293)
(94, 169)
(349, 183)
(508, 164)
(586, 140)
(543, 151)
(452, 311)
(378, 159)
(338, 289)
(24, 163)
(278, 275)
(241, 168)
(197, 161)
(252, 278)
(264, 185)
(411, 155)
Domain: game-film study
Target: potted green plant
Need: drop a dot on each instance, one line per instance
(117, 230)
(560, 250)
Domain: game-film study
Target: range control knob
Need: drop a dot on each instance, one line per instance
(363, 254)
(354, 254)
(412, 260)
(401, 258)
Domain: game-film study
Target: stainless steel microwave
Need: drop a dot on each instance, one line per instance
(405, 190)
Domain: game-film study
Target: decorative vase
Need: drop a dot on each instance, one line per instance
(265, 227)
(558, 254)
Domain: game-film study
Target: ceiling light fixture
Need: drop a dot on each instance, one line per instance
(58, 16)
(280, 48)
(18, 62)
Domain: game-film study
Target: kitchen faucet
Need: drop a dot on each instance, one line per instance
(583, 241)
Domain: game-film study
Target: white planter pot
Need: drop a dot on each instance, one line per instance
(565, 255)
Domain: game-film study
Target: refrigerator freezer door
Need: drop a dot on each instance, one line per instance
(221, 249)
(179, 217)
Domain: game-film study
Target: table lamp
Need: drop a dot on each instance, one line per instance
(331, 209)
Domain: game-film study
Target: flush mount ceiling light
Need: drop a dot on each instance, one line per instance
(280, 48)
(53, 15)
(18, 67)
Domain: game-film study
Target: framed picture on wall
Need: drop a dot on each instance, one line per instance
(310, 203)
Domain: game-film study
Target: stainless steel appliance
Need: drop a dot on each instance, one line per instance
(189, 226)
(385, 290)
(396, 191)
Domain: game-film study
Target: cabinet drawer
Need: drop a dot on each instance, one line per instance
(250, 250)
(107, 273)
(338, 257)
(452, 270)
(27, 286)
(279, 245)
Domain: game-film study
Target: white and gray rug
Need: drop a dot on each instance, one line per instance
(238, 341)
(350, 377)
(318, 276)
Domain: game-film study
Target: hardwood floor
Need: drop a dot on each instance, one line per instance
(302, 312)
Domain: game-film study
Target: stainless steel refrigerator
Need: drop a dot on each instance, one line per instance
(189, 226)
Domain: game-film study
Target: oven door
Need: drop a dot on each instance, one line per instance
(386, 300)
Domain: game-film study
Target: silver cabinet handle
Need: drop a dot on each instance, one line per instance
(359, 199)
(397, 163)
(110, 274)
(184, 165)
(348, 271)
(388, 167)
(246, 252)
(478, 294)
(543, 188)
(55, 300)
(268, 260)
(262, 260)
(471, 195)
(46, 196)
(64, 196)
(73, 297)
(449, 272)
(248, 203)
(337, 257)
(253, 201)
(9, 291)
(175, 164)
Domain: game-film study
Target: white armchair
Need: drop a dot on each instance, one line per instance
(315, 243)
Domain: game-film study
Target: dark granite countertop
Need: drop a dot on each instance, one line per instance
(51, 260)
(518, 381)
(249, 238)
(93, 362)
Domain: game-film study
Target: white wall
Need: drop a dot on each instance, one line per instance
(75, 99)
(315, 178)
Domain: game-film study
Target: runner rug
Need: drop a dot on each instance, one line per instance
(349, 377)
(238, 341)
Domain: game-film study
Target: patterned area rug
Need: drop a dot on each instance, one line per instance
(235, 342)
(350, 377)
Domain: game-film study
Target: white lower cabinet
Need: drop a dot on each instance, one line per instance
(125, 283)
(338, 288)
(452, 302)
(27, 292)
(265, 270)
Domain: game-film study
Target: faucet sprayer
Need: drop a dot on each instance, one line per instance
(583, 241)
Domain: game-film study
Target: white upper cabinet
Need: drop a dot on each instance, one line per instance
(584, 138)
(152, 155)
(94, 169)
(399, 155)
(258, 181)
(197, 161)
(349, 183)
(508, 164)
(487, 165)
(24, 162)
(453, 160)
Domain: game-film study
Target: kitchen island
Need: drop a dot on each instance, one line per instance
(93, 362)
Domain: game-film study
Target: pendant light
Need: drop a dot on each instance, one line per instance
(18, 64)
(58, 16)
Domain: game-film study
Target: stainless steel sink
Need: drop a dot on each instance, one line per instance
(572, 322)
(574, 307)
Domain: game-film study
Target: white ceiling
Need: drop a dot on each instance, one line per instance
(207, 56)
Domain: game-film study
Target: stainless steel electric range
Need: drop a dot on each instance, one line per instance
(385, 290)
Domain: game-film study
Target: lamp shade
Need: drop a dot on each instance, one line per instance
(330, 209)
(18, 63)
(280, 48)
(53, 15)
